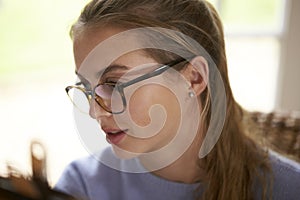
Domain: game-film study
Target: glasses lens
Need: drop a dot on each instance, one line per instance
(109, 98)
(79, 99)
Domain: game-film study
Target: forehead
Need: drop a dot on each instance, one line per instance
(88, 39)
(93, 55)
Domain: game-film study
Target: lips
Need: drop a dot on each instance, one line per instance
(115, 136)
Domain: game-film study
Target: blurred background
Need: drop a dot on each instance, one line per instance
(36, 63)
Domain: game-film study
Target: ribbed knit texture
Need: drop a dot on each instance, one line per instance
(89, 179)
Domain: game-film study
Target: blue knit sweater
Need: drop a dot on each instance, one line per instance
(89, 179)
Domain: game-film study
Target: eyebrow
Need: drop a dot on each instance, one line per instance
(112, 68)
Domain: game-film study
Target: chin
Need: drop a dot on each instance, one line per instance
(123, 154)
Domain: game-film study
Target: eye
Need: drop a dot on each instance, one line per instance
(105, 90)
(112, 78)
(113, 81)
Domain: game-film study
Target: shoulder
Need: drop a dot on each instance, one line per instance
(102, 175)
(284, 166)
(286, 177)
(89, 165)
(82, 175)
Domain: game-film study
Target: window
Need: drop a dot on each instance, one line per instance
(253, 30)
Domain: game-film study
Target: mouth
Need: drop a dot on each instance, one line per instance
(115, 136)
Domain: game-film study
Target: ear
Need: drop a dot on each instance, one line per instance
(196, 73)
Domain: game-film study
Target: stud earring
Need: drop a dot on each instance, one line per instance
(191, 94)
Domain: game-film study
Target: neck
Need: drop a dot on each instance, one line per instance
(185, 169)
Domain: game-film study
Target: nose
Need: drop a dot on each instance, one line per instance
(96, 111)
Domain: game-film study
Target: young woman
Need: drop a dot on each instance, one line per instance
(155, 75)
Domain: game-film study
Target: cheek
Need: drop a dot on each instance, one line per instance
(145, 97)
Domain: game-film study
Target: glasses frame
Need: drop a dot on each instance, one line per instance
(90, 94)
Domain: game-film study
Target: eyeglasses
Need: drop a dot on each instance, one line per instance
(110, 96)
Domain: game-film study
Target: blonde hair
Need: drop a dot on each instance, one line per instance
(236, 163)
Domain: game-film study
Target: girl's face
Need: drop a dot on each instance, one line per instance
(143, 98)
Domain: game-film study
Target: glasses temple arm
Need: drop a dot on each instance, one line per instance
(154, 73)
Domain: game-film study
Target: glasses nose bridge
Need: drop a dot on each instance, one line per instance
(94, 110)
(89, 94)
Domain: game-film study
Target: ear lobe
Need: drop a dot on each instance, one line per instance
(197, 74)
